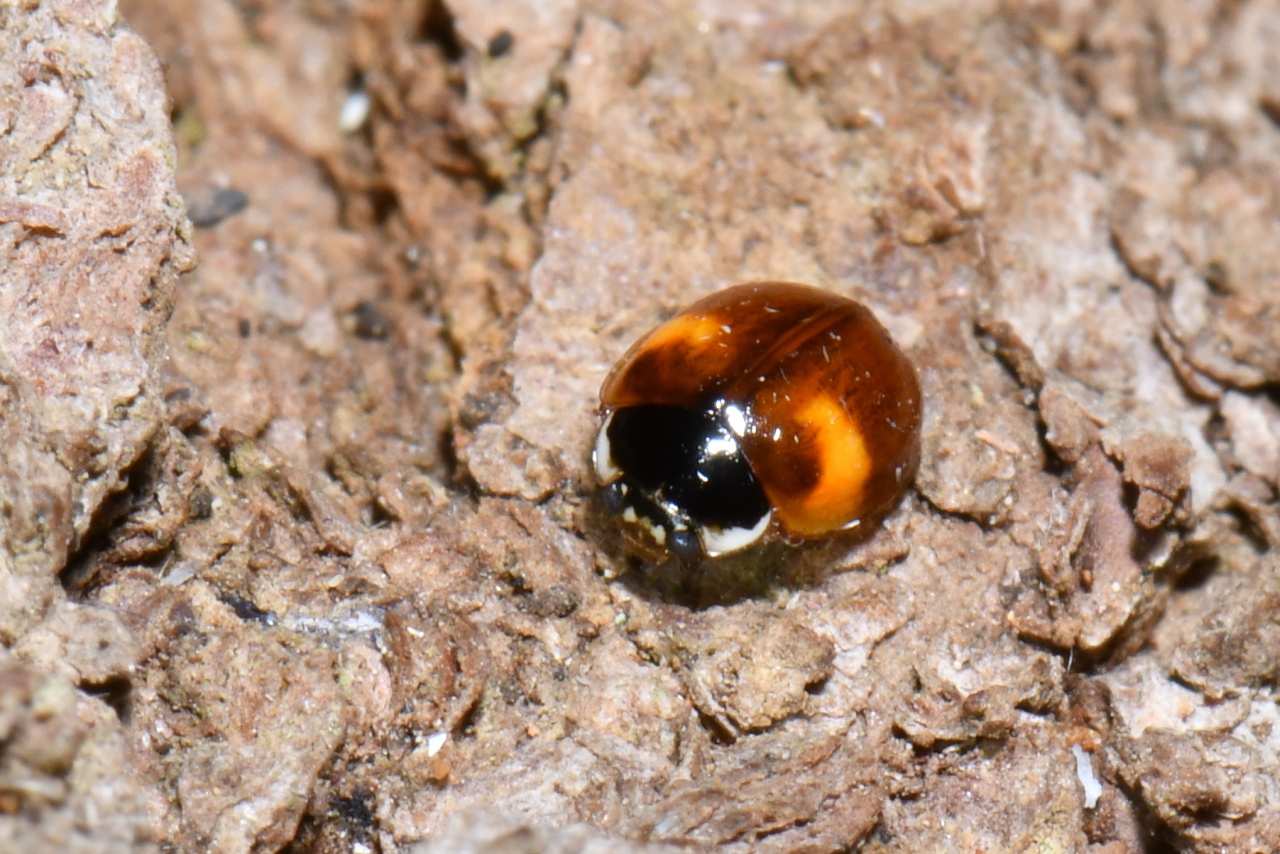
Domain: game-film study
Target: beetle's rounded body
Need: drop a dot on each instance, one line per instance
(768, 406)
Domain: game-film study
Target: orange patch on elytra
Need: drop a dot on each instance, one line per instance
(670, 365)
(686, 330)
(844, 466)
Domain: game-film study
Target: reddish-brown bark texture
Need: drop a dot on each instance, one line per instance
(297, 551)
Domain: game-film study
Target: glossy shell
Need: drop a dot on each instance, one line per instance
(825, 406)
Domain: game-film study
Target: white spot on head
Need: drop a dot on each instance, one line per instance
(602, 457)
(721, 541)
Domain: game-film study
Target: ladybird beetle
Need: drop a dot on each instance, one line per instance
(765, 409)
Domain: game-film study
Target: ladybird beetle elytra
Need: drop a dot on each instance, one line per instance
(765, 408)
(842, 464)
